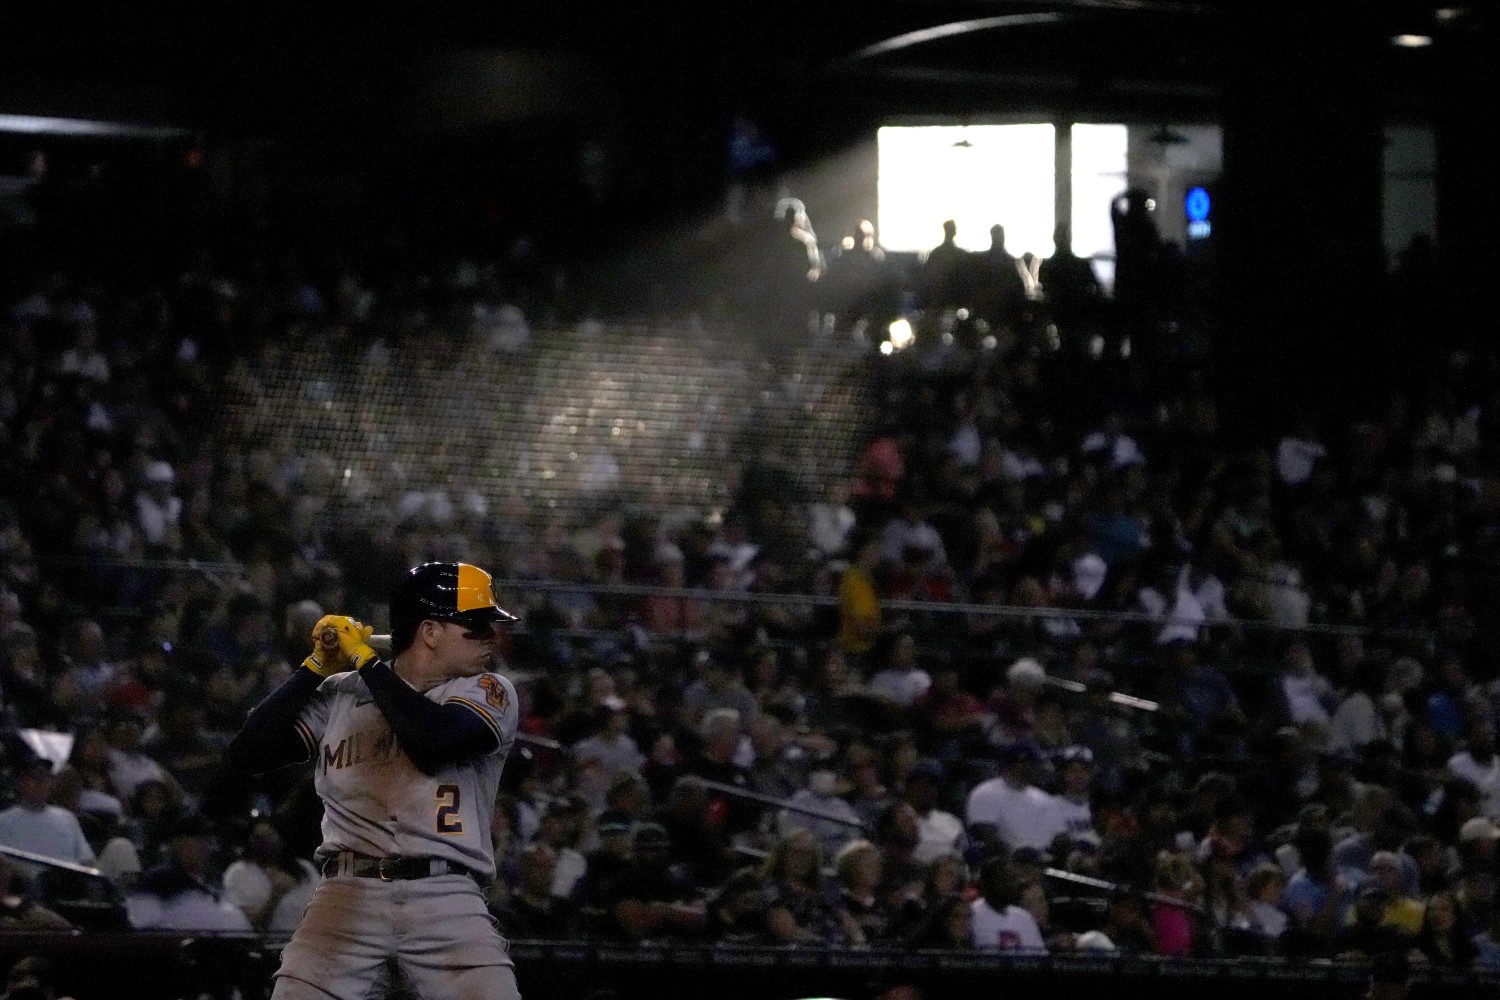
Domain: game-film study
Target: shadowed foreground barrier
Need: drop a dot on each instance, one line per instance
(130, 965)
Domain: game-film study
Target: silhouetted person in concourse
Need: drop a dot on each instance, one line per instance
(858, 284)
(796, 263)
(1137, 250)
(1074, 299)
(1000, 290)
(945, 274)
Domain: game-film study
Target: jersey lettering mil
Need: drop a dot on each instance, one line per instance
(375, 800)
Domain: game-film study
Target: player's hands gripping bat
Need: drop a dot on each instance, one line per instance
(327, 657)
(349, 639)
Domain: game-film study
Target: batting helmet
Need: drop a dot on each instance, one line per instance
(444, 592)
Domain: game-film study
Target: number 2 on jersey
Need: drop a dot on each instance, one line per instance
(448, 820)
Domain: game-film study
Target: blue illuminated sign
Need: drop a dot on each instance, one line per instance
(1198, 205)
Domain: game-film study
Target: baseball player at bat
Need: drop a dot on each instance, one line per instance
(407, 754)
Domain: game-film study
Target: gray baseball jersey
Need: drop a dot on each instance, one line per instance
(375, 800)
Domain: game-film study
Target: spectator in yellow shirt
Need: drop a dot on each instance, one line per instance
(859, 602)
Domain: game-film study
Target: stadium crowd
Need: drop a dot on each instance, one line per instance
(1209, 691)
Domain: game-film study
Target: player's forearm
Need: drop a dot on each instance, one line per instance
(269, 739)
(431, 734)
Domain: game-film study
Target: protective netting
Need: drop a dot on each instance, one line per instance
(576, 419)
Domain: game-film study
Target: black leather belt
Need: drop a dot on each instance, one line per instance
(390, 869)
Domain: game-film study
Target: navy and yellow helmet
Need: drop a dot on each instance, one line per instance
(446, 592)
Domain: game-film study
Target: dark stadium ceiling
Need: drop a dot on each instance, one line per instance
(249, 66)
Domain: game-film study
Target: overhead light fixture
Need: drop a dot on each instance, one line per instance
(1446, 15)
(1411, 41)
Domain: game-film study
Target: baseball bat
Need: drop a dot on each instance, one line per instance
(379, 643)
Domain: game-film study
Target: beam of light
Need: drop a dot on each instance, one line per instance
(45, 125)
(1411, 41)
(951, 30)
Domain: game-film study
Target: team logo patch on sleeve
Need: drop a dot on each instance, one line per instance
(494, 692)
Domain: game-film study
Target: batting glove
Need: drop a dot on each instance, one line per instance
(327, 658)
(352, 639)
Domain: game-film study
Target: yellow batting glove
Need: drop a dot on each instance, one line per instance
(327, 658)
(352, 638)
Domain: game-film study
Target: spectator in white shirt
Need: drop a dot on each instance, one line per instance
(157, 509)
(1358, 720)
(1010, 808)
(999, 922)
(32, 824)
(1304, 691)
(901, 680)
(84, 358)
(830, 522)
(911, 531)
(1479, 765)
(940, 833)
(177, 896)
(612, 745)
(129, 766)
(1298, 453)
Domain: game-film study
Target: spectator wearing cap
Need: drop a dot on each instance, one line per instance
(1010, 808)
(654, 899)
(532, 911)
(158, 510)
(1076, 781)
(32, 824)
(177, 894)
(611, 745)
(1479, 763)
